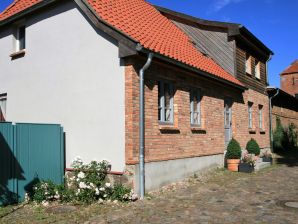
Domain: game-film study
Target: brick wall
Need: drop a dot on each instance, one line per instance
(180, 141)
(289, 83)
(287, 116)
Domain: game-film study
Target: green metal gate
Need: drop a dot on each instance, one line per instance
(29, 153)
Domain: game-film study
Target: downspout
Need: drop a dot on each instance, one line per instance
(270, 118)
(142, 127)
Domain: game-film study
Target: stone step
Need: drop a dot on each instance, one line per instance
(262, 165)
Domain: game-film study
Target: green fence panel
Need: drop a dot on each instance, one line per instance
(40, 154)
(8, 163)
(29, 153)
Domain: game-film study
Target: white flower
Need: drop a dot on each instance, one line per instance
(57, 196)
(100, 201)
(105, 195)
(27, 198)
(108, 184)
(82, 185)
(96, 191)
(102, 189)
(92, 185)
(81, 175)
(45, 203)
(134, 197)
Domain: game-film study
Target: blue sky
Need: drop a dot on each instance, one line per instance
(274, 22)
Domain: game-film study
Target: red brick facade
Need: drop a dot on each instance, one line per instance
(287, 116)
(180, 140)
(289, 83)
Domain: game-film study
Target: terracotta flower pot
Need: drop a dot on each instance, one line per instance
(233, 164)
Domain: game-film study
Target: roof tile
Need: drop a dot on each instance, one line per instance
(142, 22)
(293, 68)
(17, 6)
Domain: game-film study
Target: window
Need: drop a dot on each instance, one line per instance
(296, 95)
(257, 70)
(3, 99)
(195, 107)
(250, 114)
(165, 102)
(260, 116)
(20, 38)
(248, 64)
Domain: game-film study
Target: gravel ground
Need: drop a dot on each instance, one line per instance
(216, 197)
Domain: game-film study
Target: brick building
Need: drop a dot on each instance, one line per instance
(205, 85)
(285, 103)
(289, 79)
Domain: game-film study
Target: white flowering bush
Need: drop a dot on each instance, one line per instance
(88, 184)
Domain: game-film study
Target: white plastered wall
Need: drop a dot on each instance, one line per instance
(70, 75)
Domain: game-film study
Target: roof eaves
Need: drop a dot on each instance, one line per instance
(254, 38)
(234, 29)
(103, 21)
(197, 20)
(191, 68)
(25, 12)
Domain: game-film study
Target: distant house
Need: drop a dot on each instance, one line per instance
(289, 79)
(285, 99)
(77, 62)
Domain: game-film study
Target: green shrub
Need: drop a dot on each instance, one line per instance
(88, 184)
(285, 138)
(44, 191)
(278, 136)
(292, 136)
(233, 150)
(253, 147)
(122, 193)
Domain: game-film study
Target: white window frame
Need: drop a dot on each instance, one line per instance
(195, 93)
(250, 111)
(3, 103)
(261, 117)
(162, 107)
(248, 64)
(258, 69)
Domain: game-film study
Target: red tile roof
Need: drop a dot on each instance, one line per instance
(293, 68)
(141, 21)
(16, 7)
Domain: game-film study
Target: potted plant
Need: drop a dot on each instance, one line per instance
(233, 155)
(248, 163)
(253, 147)
(267, 157)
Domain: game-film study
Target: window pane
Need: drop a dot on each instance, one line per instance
(2, 109)
(159, 101)
(195, 113)
(22, 38)
(167, 97)
(250, 116)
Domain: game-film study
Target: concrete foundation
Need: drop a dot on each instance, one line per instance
(158, 174)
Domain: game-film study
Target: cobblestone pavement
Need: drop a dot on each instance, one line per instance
(223, 197)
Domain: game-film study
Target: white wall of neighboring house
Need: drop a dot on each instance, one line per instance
(70, 75)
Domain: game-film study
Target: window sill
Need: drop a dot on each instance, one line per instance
(168, 128)
(195, 129)
(252, 130)
(18, 54)
(249, 74)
